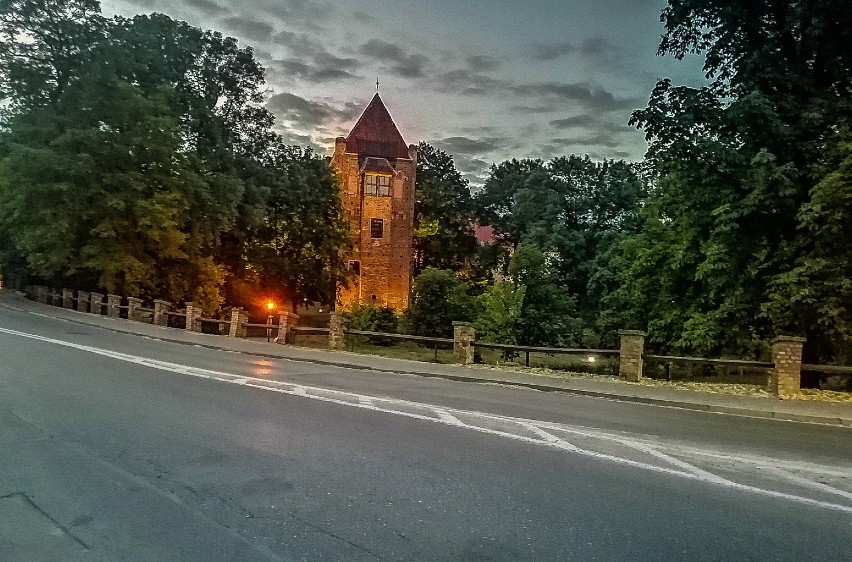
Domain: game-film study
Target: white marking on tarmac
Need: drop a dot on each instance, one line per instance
(449, 416)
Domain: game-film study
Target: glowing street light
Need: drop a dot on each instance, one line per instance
(270, 306)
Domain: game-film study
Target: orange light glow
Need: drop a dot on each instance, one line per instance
(270, 306)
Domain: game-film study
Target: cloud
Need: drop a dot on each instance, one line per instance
(249, 29)
(481, 63)
(311, 61)
(589, 121)
(207, 7)
(547, 95)
(595, 139)
(592, 97)
(300, 14)
(466, 83)
(596, 47)
(307, 115)
(467, 145)
(400, 63)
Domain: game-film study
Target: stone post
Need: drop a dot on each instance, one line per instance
(239, 316)
(41, 294)
(286, 320)
(97, 301)
(631, 353)
(113, 302)
(463, 335)
(786, 376)
(192, 315)
(133, 305)
(67, 298)
(160, 309)
(336, 335)
(82, 301)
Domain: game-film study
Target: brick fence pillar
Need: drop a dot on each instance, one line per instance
(161, 307)
(133, 304)
(113, 302)
(631, 352)
(82, 301)
(787, 374)
(286, 320)
(41, 294)
(96, 301)
(463, 335)
(336, 335)
(67, 298)
(192, 315)
(239, 316)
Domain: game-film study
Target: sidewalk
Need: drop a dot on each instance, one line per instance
(791, 410)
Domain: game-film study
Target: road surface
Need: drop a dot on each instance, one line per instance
(120, 447)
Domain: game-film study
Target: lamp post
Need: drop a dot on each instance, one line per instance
(270, 307)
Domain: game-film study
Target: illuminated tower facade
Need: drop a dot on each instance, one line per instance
(376, 171)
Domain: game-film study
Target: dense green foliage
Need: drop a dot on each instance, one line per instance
(439, 298)
(443, 231)
(135, 157)
(736, 235)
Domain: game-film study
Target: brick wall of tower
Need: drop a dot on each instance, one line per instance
(386, 262)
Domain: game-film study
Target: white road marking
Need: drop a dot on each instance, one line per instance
(451, 416)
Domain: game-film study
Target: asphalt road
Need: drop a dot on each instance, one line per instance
(118, 447)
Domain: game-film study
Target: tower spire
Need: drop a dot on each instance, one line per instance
(377, 85)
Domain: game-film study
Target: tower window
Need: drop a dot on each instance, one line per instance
(377, 185)
(355, 266)
(377, 228)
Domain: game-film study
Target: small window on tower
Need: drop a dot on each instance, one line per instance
(377, 228)
(355, 266)
(377, 185)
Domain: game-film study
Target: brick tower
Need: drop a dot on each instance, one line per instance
(376, 172)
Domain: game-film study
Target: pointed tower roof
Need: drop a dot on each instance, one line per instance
(375, 133)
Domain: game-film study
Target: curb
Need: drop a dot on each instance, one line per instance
(661, 402)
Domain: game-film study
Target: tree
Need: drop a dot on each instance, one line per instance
(548, 311)
(297, 252)
(500, 309)
(43, 45)
(733, 163)
(443, 213)
(99, 194)
(815, 296)
(439, 298)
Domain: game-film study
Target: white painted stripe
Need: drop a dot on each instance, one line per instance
(355, 400)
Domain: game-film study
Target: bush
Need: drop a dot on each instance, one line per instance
(373, 319)
(439, 298)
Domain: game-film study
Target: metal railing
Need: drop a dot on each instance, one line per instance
(527, 349)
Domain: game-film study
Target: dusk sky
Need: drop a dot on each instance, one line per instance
(484, 80)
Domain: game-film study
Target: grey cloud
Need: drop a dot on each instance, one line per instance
(207, 7)
(588, 121)
(597, 139)
(595, 47)
(310, 73)
(294, 13)
(480, 63)
(311, 61)
(589, 96)
(467, 83)
(401, 63)
(247, 28)
(467, 145)
(308, 115)
(536, 109)
(552, 94)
